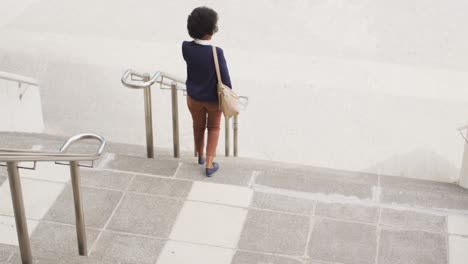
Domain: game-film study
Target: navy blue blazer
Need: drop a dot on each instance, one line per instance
(201, 72)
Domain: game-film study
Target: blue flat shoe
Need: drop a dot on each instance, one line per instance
(211, 171)
(201, 160)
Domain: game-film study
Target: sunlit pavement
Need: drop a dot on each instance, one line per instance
(166, 211)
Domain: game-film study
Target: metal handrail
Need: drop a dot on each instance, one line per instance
(18, 78)
(48, 156)
(20, 155)
(171, 77)
(143, 76)
(461, 130)
(13, 156)
(79, 137)
(175, 84)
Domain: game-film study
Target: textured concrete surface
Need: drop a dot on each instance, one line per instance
(160, 186)
(283, 203)
(98, 205)
(401, 246)
(423, 193)
(123, 248)
(352, 212)
(322, 181)
(105, 179)
(165, 167)
(154, 215)
(275, 233)
(250, 213)
(406, 219)
(57, 241)
(343, 242)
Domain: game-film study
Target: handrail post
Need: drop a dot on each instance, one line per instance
(236, 132)
(175, 120)
(20, 216)
(227, 136)
(79, 215)
(148, 120)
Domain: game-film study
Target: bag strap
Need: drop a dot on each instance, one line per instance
(215, 56)
(218, 73)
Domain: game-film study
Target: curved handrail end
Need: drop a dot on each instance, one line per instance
(79, 137)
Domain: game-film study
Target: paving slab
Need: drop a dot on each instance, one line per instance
(162, 167)
(421, 193)
(227, 173)
(412, 247)
(412, 220)
(6, 251)
(146, 215)
(209, 224)
(343, 242)
(277, 233)
(457, 250)
(122, 248)
(351, 212)
(185, 253)
(323, 181)
(244, 257)
(105, 179)
(98, 205)
(283, 203)
(160, 186)
(51, 240)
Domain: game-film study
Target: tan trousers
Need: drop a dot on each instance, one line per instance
(205, 115)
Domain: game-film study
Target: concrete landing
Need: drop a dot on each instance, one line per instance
(165, 211)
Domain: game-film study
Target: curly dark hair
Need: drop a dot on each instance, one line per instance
(202, 21)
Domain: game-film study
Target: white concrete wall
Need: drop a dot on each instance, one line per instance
(20, 107)
(368, 85)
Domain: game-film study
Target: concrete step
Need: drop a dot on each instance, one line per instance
(140, 210)
(294, 179)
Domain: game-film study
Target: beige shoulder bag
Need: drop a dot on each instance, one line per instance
(228, 100)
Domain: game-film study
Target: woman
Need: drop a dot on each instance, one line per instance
(202, 96)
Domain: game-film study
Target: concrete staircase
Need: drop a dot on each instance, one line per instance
(165, 211)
